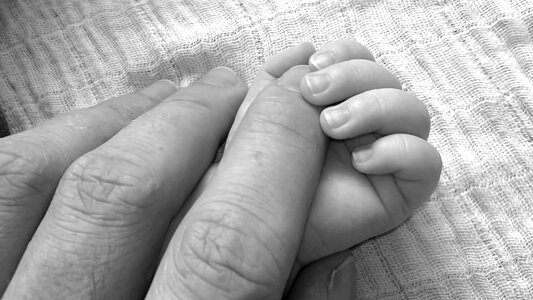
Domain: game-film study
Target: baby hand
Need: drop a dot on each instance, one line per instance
(380, 167)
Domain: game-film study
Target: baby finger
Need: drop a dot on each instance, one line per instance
(338, 51)
(380, 111)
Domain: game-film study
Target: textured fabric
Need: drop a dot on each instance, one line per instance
(470, 61)
(4, 130)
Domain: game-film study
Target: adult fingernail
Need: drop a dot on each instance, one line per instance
(336, 116)
(362, 154)
(320, 60)
(159, 90)
(317, 82)
(341, 281)
(222, 76)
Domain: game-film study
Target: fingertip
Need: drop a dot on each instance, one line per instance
(313, 84)
(282, 61)
(337, 51)
(322, 59)
(362, 155)
(331, 120)
(158, 91)
(437, 163)
(324, 125)
(308, 47)
(167, 82)
(292, 78)
(386, 155)
(222, 76)
(409, 158)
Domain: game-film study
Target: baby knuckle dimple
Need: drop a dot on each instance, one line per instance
(226, 255)
(105, 186)
(353, 69)
(377, 105)
(399, 144)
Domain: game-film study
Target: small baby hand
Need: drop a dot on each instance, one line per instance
(380, 167)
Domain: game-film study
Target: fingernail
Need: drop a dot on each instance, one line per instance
(336, 116)
(321, 60)
(341, 281)
(222, 76)
(292, 78)
(160, 90)
(317, 82)
(362, 154)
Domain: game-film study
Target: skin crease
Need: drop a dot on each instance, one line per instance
(292, 168)
(369, 219)
(104, 232)
(373, 213)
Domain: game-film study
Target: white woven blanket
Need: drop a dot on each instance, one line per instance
(470, 61)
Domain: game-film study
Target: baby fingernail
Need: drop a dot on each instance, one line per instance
(336, 117)
(292, 78)
(362, 154)
(317, 82)
(321, 60)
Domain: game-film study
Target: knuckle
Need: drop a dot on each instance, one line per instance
(105, 185)
(225, 254)
(20, 175)
(398, 144)
(274, 117)
(378, 105)
(402, 144)
(354, 70)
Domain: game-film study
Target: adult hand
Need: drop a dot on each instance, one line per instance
(95, 193)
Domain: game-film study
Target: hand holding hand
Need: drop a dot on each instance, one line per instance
(95, 191)
(118, 184)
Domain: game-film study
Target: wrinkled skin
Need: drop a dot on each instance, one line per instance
(86, 198)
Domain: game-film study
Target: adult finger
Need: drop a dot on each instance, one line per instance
(104, 228)
(381, 111)
(338, 51)
(273, 68)
(32, 162)
(240, 238)
(344, 80)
